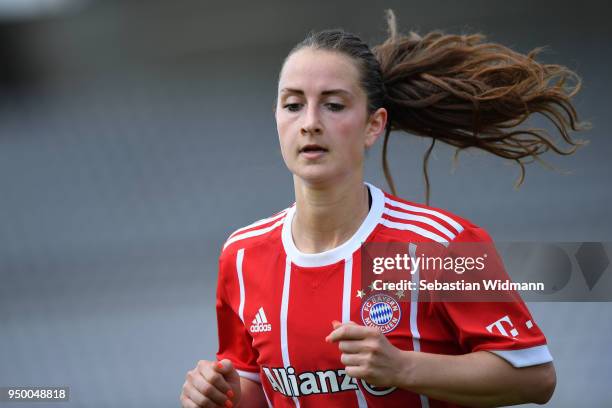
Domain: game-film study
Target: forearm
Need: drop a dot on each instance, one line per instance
(476, 379)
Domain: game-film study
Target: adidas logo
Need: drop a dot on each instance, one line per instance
(260, 322)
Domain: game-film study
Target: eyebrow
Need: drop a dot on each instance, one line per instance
(327, 92)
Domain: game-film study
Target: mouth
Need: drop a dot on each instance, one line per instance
(312, 148)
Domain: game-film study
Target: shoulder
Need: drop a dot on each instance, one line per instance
(404, 217)
(254, 234)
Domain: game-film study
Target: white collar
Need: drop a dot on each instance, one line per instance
(342, 251)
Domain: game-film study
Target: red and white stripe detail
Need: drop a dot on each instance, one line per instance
(432, 223)
(257, 228)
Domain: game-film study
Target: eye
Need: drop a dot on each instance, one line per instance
(292, 107)
(334, 107)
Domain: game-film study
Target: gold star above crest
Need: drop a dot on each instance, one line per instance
(360, 294)
(371, 286)
(400, 294)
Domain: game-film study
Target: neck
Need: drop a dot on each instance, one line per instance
(327, 216)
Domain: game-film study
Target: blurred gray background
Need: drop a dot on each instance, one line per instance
(136, 135)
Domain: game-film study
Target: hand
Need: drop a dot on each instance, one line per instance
(211, 384)
(367, 354)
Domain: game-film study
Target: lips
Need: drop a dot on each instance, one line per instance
(312, 148)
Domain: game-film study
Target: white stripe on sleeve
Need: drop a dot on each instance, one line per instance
(525, 357)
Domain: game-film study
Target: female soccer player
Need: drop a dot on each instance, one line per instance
(296, 327)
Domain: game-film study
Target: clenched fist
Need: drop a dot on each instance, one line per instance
(211, 384)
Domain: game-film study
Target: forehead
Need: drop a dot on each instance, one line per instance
(315, 71)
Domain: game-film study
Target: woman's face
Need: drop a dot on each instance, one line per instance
(322, 119)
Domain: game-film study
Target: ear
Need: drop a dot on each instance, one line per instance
(375, 126)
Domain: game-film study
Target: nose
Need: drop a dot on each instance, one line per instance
(312, 122)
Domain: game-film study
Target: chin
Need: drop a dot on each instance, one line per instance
(315, 176)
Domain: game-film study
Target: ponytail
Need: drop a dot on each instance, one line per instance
(465, 92)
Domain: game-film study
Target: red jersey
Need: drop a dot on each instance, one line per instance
(275, 305)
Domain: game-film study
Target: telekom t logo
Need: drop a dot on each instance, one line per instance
(499, 325)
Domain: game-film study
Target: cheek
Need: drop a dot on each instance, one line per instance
(281, 127)
(350, 125)
(351, 134)
(284, 135)
(346, 128)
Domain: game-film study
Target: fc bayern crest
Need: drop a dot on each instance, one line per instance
(381, 311)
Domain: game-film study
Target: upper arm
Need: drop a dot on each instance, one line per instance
(535, 383)
(252, 394)
(544, 384)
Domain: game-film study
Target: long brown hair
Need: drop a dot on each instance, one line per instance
(462, 91)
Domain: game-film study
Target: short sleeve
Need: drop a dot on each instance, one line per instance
(235, 343)
(506, 328)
